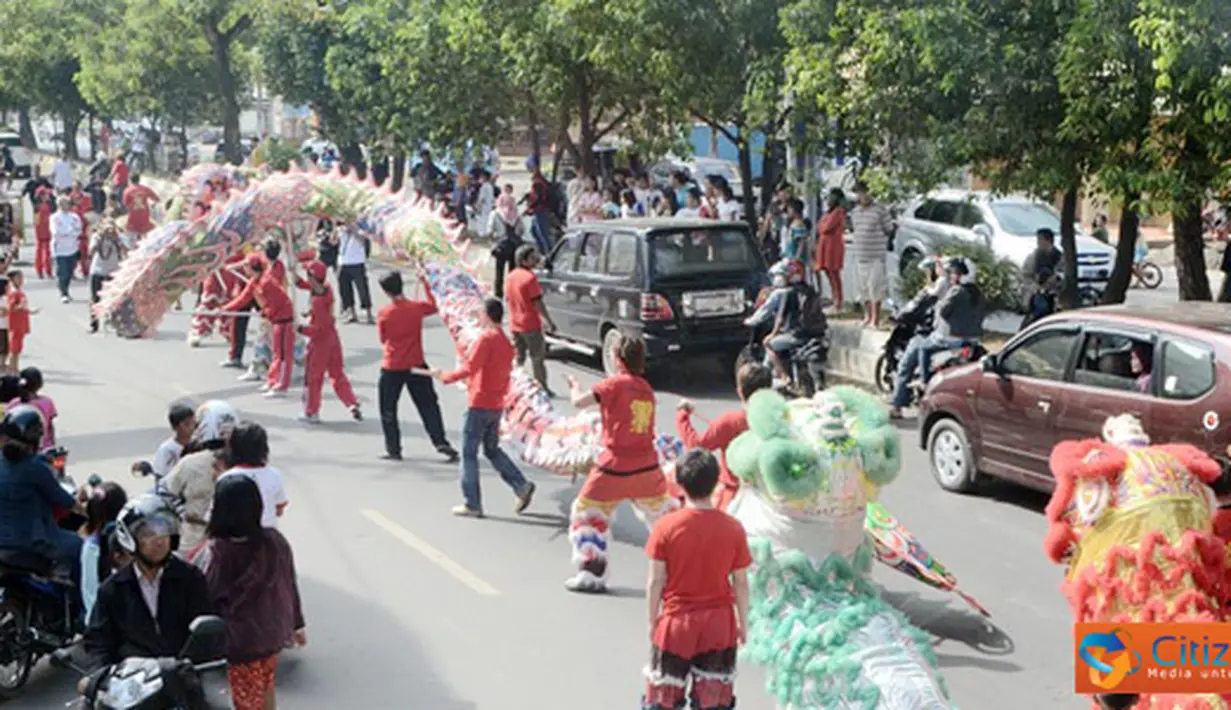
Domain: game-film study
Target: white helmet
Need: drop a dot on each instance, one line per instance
(215, 419)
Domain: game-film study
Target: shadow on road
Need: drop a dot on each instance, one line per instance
(966, 627)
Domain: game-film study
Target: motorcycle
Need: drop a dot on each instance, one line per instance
(806, 364)
(158, 683)
(911, 320)
(38, 603)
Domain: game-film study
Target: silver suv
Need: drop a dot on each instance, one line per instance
(1005, 223)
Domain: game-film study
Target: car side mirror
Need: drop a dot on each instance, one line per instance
(984, 232)
(989, 364)
(206, 635)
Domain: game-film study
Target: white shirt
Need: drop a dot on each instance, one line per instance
(149, 590)
(351, 250)
(65, 231)
(167, 456)
(62, 175)
(106, 259)
(688, 213)
(273, 494)
(730, 211)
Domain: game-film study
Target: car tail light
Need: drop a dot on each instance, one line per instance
(655, 308)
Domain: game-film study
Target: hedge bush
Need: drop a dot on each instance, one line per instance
(999, 279)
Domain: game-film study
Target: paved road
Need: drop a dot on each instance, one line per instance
(410, 607)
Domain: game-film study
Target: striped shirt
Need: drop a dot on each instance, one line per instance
(870, 233)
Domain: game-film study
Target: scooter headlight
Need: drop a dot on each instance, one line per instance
(132, 683)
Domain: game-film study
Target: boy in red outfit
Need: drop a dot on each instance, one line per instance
(44, 205)
(751, 378)
(697, 596)
(627, 467)
(324, 355)
(19, 318)
(268, 290)
(139, 200)
(486, 369)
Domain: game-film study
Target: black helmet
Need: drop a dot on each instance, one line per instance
(23, 424)
(146, 512)
(957, 265)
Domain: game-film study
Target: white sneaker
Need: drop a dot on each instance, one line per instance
(249, 376)
(585, 583)
(264, 388)
(275, 394)
(64, 299)
(310, 418)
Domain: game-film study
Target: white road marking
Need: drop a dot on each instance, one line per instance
(433, 555)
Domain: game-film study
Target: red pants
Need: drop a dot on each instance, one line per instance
(250, 682)
(325, 358)
(282, 343)
(42, 258)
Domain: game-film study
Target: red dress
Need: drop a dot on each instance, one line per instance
(831, 244)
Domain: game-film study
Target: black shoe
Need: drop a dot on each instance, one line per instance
(390, 457)
(450, 453)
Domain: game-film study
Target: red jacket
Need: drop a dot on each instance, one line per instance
(721, 432)
(486, 369)
(321, 323)
(270, 295)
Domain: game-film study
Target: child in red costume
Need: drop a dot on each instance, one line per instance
(324, 348)
(750, 379)
(267, 288)
(19, 318)
(698, 596)
(44, 205)
(627, 467)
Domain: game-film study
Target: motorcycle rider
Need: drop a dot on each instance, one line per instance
(1041, 277)
(31, 495)
(145, 608)
(786, 305)
(958, 319)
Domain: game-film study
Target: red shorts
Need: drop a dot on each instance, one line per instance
(604, 486)
(17, 342)
(691, 634)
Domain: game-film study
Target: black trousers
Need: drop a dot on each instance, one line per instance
(502, 267)
(422, 393)
(351, 277)
(96, 287)
(239, 333)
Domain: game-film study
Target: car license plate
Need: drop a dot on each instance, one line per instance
(715, 303)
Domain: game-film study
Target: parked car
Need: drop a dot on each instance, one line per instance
(1065, 375)
(697, 169)
(1007, 224)
(684, 286)
(22, 165)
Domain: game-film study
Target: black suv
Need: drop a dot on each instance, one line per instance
(684, 286)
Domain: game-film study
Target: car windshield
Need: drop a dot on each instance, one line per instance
(1025, 219)
(702, 251)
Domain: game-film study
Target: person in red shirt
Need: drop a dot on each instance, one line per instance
(119, 177)
(528, 315)
(751, 378)
(487, 369)
(139, 200)
(697, 597)
(19, 318)
(627, 467)
(83, 206)
(324, 348)
(44, 205)
(399, 325)
(268, 289)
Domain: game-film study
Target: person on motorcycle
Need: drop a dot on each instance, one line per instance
(958, 319)
(31, 495)
(786, 306)
(192, 480)
(145, 609)
(1041, 276)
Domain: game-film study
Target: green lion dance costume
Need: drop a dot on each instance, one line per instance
(809, 468)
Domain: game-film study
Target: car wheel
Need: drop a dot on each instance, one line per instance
(910, 259)
(950, 457)
(610, 358)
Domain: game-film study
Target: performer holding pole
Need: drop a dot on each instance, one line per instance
(268, 290)
(324, 348)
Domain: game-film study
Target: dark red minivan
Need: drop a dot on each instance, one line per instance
(1065, 375)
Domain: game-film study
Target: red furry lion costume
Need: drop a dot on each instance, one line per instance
(1135, 526)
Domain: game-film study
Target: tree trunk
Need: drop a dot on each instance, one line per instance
(380, 170)
(1122, 272)
(1190, 251)
(745, 176)
(220, 44)
(769, 170)
(352, 157)
(26, 130)
(399, 171)
(71, 124)
(1068, 247)
(555, 160)
(93, 139)
(585, 117)
(536, 144)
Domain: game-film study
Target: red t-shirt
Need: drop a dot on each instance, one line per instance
(721, 432)
(486, 370)
(521, 290)
(321, 325)
(399, 326)
(138, 199)
(701, 548)
(627, 406)
(19, 320)
(119, 173)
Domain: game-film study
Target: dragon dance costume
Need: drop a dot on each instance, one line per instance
(1134, 525)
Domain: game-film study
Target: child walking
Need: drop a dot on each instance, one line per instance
(697, 595)
(19, 312)
(253, 587)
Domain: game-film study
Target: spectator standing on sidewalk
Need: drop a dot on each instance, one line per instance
(869, 248)
(353, 274)
(528, 316)
(831, 245)
(538, 207)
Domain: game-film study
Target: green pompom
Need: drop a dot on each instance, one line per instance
(878, 440)
(767, 415)
(790, 469)
(742, 456)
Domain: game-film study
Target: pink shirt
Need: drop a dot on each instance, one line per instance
(48, 409)
(506, 206)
